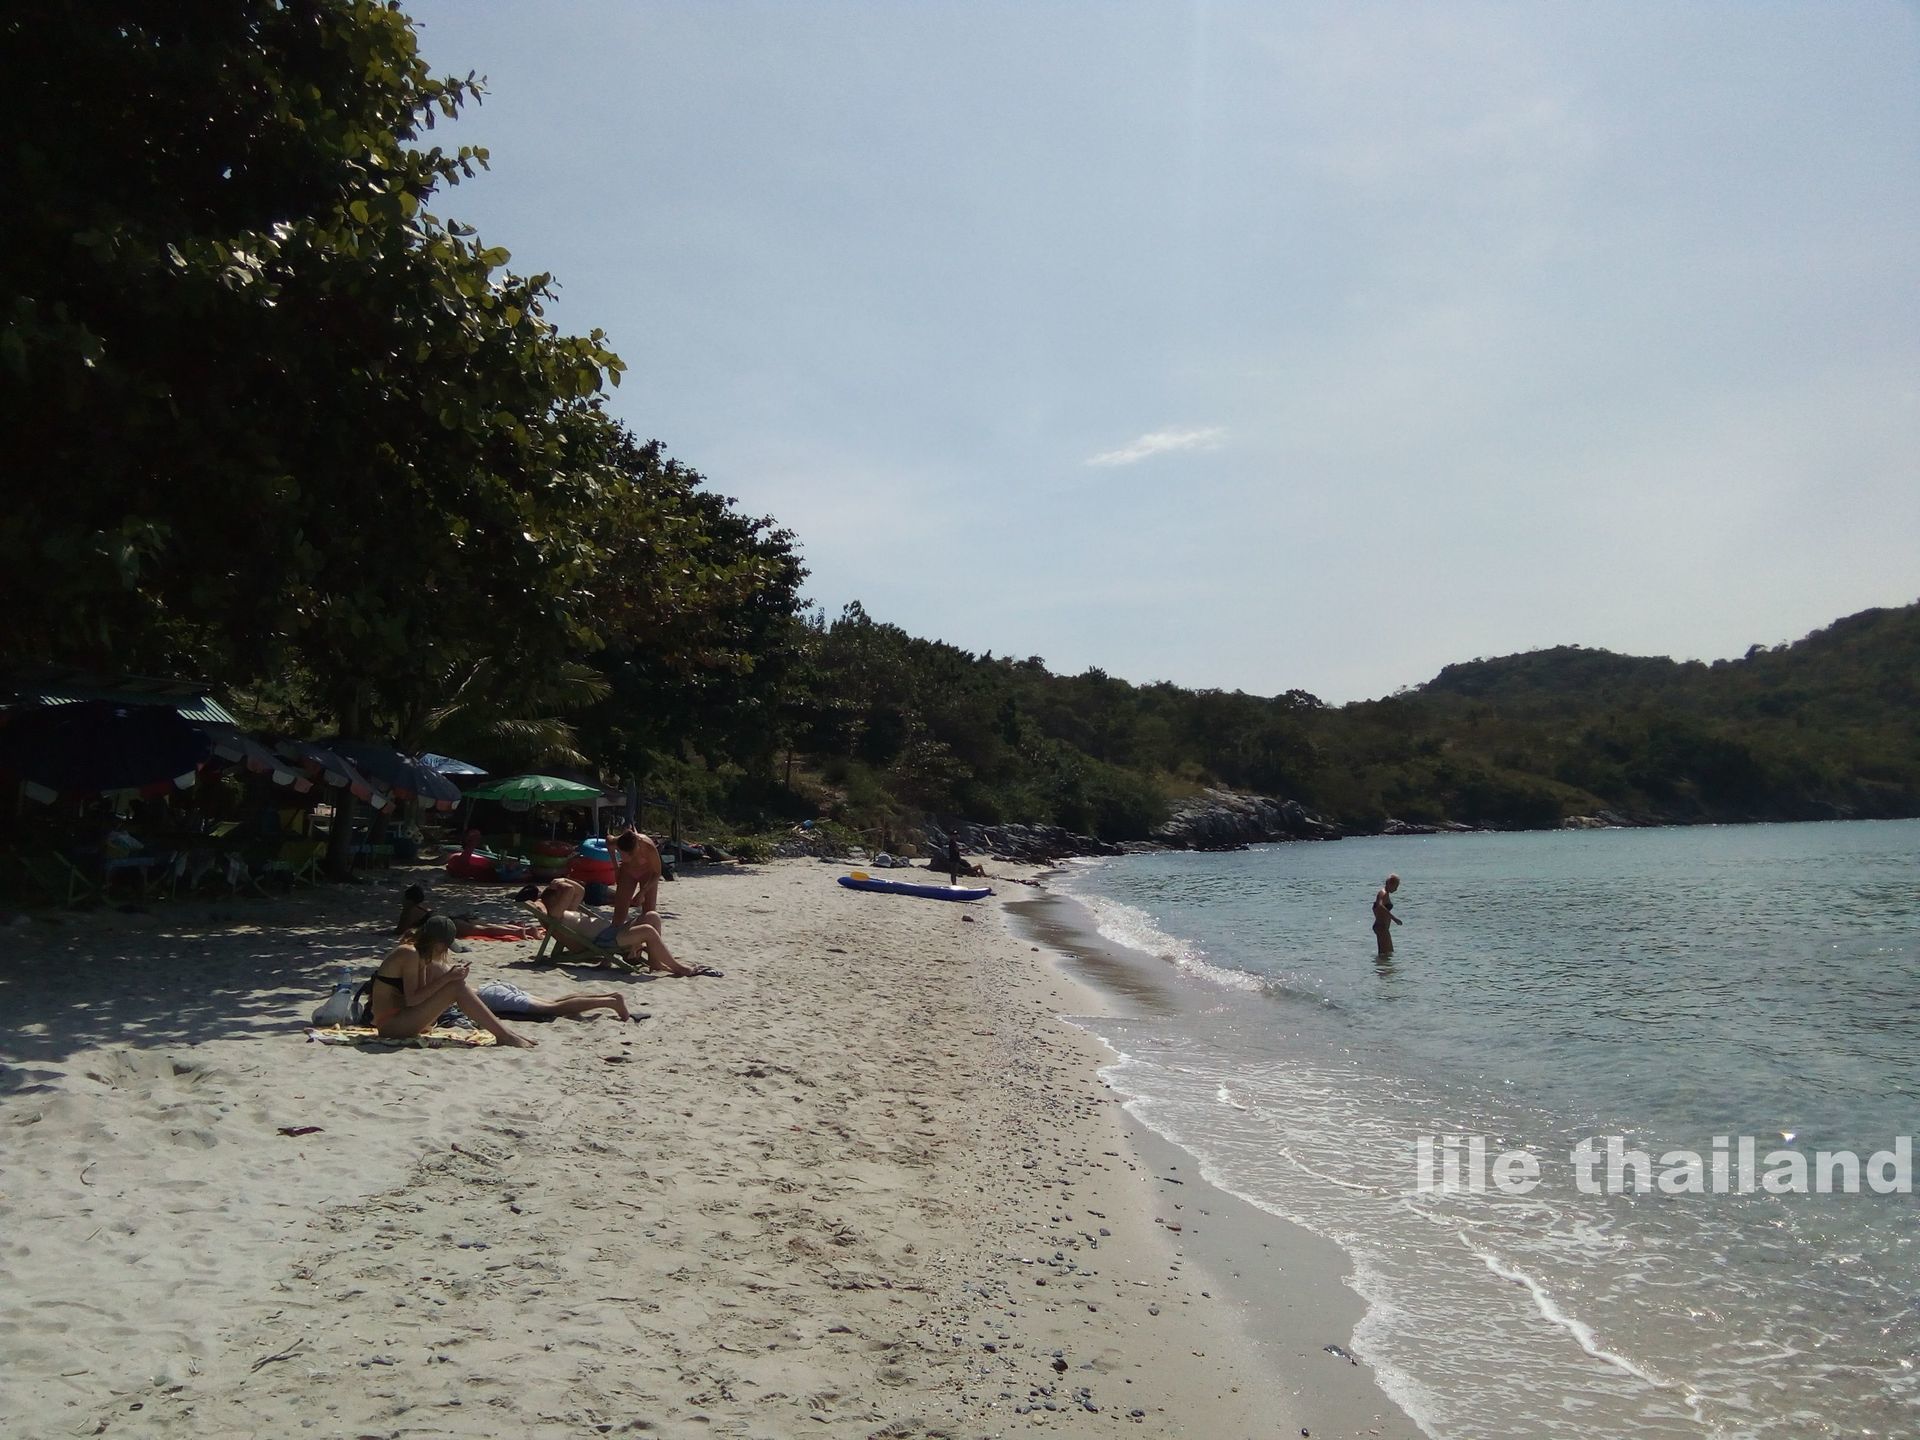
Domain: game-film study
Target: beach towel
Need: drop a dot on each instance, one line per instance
(504, 932)
(435, 1039)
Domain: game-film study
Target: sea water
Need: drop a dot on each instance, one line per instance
(1673, 990)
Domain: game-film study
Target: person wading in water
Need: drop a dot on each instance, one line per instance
(1383, 917)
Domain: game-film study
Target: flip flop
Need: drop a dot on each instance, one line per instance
(707, 972)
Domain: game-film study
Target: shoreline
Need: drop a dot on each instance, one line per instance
(1288, 1286)
(857, 1187)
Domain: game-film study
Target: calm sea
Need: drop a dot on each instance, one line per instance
(1667, 987)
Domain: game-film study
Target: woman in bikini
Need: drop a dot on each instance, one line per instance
(415, 983)
(1383, 917)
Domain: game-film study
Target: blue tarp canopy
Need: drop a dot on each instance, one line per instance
(95, 746)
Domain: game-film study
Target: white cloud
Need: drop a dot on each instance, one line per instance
(1161, 442)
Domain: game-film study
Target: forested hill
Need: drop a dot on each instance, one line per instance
(1822, 728)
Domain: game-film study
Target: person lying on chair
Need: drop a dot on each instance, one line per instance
(635, 939)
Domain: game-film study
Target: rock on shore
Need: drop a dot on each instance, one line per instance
(1028, 844)
(1227, 819)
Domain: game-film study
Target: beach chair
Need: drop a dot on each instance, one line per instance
(298, 861)
(60, 878)
(367, 856)
(567, 938)
(242, 869)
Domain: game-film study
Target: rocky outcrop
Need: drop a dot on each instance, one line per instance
(1391, 826)
(1607, 820)
(1209, 820)
(1228, 820)
(1027, 844)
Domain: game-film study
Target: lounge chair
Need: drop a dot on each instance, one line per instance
(298, 861)
(60, 878)
(565, 936)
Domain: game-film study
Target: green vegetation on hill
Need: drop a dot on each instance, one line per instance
(1819, 729)
(274, 421)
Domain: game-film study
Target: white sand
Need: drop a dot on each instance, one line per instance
(867, 1184)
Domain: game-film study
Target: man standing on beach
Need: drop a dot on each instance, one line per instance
(636, 877)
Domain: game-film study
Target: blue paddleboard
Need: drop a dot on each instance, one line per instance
(925, 892)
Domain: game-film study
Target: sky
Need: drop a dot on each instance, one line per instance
(1253, 347)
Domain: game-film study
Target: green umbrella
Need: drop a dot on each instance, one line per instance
(536, 789)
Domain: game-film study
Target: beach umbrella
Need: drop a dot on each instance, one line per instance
(447, 765)
(93, 746)
(238, 749)
(404, 776)
(335, 769)
(381, 764)
(537, 790)
(435, 789)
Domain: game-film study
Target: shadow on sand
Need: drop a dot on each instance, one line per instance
(193, 973)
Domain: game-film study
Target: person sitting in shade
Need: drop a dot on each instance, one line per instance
(638, 939)
(415, 912)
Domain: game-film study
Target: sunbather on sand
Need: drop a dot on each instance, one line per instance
(416, 982)
(635, 938)
(511, 1000)
(414, 912)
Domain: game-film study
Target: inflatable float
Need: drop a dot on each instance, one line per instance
(469, 865)
(589, 871)
(860, 881)
(483, 865)
(549, 858)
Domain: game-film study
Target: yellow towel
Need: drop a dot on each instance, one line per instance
(426, 1040)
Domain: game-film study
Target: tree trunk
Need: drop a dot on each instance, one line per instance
(340, 838)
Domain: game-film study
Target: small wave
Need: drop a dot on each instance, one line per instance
(1286, 1153)
(1132, 928)
(1583, 1334)
(1275, 988)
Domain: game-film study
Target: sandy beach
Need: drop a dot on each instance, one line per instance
(868, 1184)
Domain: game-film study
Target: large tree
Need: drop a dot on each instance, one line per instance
(265, 408)
(262, 403)
(695, 602)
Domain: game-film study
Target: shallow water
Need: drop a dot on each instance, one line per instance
(1663, 986)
